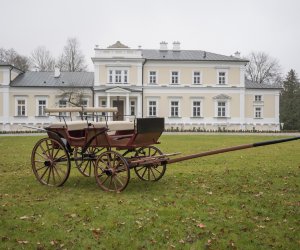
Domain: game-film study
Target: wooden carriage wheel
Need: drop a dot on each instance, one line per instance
(50, 162)
(112, 171)
(86, 162)
(149, 172)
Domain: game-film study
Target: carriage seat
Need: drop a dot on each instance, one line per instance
(115, 125)
(80, 125)
(71, 125)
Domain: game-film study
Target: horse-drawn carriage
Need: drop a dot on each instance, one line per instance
(107, 149)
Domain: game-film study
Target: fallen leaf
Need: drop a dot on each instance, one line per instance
(201, 225)
(24, 217)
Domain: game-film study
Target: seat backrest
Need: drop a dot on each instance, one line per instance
(150, 125)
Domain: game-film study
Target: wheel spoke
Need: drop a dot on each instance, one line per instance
(152, 173)
(144, 172)
(49, 175)
(44, 173)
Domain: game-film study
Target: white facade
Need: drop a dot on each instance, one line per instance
(190, 89)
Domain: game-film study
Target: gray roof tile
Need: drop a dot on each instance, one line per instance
(254, 85)
(47, 79)
(187, 55)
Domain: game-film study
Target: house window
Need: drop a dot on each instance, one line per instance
(152, 108)
(221, 109)
(21, 107)
(103, 104)
(174, 108)
(125, 77)
(152, 77)
(42, 104)
(222, 77)
(132, 108)
(258, 98)
(196, 109)
(174, 77)
(197, 78)
(110, 76)
(118, 76)
(62, 104)
(84, 103)
(258, 112)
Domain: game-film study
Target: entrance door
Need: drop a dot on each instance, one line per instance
(119, 116)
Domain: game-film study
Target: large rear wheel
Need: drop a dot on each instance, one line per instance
(50, 162)
(112, 171)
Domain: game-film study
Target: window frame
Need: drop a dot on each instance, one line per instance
(223, 109)
(225, 77)
(194, 77)
(200, 108)
(133, 105)
(62, 106)
(17, 99)
(149, 106)
(178, 108)
(150, 77)
(260, 98)
(38, 99)
(117, 76)
(178, 77)
(260, 112)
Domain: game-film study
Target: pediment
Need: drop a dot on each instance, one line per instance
(222, 97)
(117, 90)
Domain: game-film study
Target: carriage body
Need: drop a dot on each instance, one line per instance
(106, 149)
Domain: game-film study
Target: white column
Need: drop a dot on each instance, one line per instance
(127, 108)
(5, 104)
(242, 109)
(276, 118)
(108, 100)
(139, 106)
(96, 99)
(108, 105)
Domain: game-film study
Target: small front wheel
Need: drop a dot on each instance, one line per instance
(85, 162)
(112, 171)
(50, 162)
(151, 172)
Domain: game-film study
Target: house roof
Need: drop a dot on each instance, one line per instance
(253, 85)
(118, 45)
(47, 79)
(2, 63)
(187, 55)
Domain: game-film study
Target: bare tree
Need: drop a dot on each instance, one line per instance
(263, 69)
(72, 58)
(12, 57)
(74, 96)
(42, 60)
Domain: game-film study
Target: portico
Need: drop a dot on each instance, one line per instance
(128, 102)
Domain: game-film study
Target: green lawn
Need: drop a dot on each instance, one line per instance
(247, 199)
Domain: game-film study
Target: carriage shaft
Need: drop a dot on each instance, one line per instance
(224, 150)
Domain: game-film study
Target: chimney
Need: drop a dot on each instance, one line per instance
(176, 46)
(56, 72)
(163, 46)
(237, 54)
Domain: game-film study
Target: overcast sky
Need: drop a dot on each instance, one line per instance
(219, 26)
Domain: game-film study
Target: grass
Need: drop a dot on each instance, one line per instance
(246, 199)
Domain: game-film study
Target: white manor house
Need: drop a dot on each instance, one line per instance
(191, 89)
